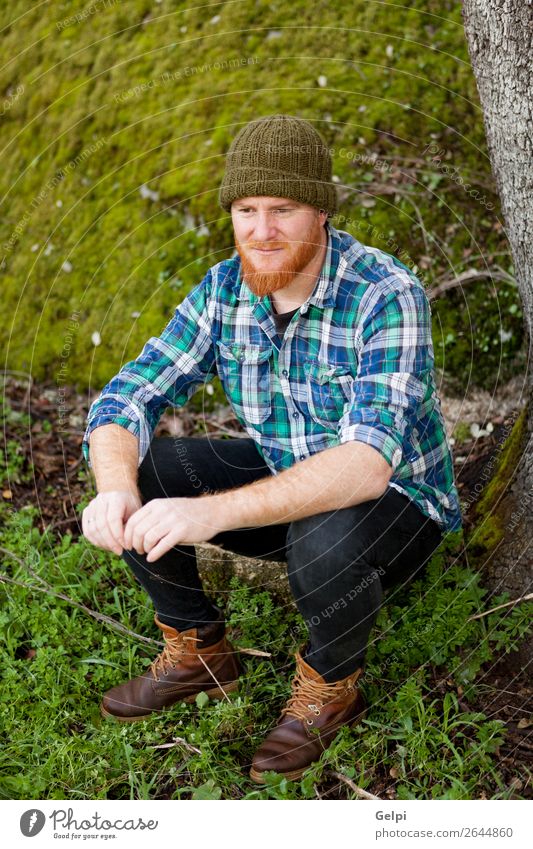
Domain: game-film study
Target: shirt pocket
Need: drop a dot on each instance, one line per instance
(245, 372)
(328, 389)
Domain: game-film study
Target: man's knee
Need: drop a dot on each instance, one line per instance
(326, 548)
(330, 537)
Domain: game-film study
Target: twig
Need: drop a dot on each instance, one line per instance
(178, 741)
(26, 566)
(98, 616)
(527, 597)
(101, 617)
(362, 794)
(467, 277)
(53, 525)
(212, 674)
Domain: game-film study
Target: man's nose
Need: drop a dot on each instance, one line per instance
(265, 227)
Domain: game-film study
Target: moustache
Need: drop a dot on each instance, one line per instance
(262, 245)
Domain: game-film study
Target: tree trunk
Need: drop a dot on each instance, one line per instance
(500, 37)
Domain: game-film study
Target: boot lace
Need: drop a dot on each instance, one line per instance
(175, 648)
(311, 696)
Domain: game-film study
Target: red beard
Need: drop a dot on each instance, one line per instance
(298, 256)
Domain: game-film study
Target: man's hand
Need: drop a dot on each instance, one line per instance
(104, 518)
(165, 522)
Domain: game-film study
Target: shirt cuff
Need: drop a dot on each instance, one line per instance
(382, 440)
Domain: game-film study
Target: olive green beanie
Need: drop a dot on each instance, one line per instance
(279, 156)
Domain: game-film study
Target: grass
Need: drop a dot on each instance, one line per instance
(57, 661)
(141, 95)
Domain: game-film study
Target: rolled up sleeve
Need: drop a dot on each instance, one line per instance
(395, 362)
(167, 372)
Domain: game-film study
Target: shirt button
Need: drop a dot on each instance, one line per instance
(302, 456)
(295, 415)
(284, 372)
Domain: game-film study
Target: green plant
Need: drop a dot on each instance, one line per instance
(440, 752)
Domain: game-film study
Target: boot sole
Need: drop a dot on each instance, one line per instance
(258, 778)
(216, 693)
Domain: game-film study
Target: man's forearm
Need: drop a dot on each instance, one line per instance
(338, 477)
(114, 455)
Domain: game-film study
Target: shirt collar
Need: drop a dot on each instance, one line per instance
(323, 295)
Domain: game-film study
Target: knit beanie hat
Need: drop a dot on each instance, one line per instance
(279, 156)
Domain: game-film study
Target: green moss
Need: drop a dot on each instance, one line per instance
(489, 526)
(396, 81)
(506, 466)
(486, 536)
(461, 433)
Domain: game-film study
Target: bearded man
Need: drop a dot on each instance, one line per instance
(323, 348)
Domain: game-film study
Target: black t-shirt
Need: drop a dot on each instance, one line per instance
(282, 319)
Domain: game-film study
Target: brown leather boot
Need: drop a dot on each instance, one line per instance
(308, 723)
(196, 660)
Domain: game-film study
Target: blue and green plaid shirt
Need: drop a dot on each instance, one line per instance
(355, 363)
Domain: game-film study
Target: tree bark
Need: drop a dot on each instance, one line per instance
(500, 38)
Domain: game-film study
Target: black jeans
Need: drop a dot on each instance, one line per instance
(339, 563)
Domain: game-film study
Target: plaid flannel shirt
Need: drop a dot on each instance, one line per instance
(355, 363)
